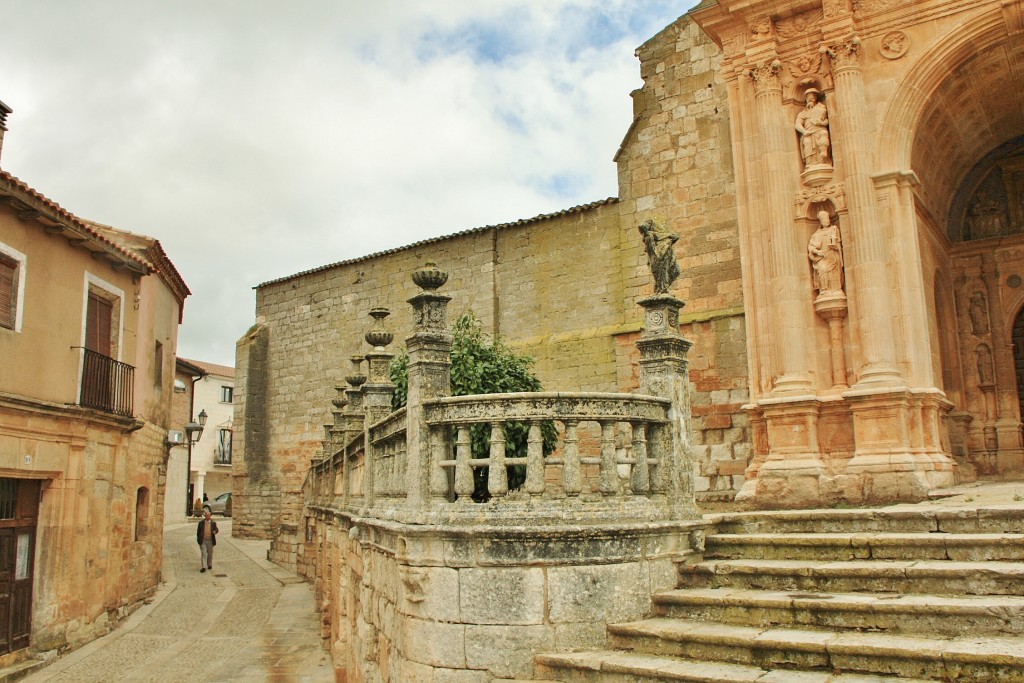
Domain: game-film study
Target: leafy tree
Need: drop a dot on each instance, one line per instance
(481, 365)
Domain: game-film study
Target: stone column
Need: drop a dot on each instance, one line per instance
(664, 372)
(867, 246)
(353, 422)
(787, 266)
(378, 390)
(430, 349)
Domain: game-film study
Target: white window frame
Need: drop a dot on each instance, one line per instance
(22, 260)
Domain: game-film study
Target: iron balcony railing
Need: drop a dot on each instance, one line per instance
(107, 384)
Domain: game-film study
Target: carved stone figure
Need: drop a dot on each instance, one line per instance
(978, 310)
(986, 217)
(985, 373)
(812, 125)
(661, 257)
(825, 250)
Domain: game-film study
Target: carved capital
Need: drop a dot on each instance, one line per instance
(844, 55)
(766, 77)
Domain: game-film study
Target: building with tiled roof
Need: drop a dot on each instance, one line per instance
(89, 319)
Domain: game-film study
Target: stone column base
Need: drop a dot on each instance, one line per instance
(863, 447)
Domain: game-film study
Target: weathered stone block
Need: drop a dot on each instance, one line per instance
(501, 596)
(602, 593)
(506, 650)
(434, 643)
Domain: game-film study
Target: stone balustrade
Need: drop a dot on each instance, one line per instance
(616, 414)
(467, 582)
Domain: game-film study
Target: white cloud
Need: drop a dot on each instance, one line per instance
(257, 139)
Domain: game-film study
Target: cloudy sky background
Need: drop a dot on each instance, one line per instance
(257, 139)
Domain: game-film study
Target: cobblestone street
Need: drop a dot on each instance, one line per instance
(247, 620)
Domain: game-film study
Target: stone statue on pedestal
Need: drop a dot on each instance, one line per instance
(825, 250)
(661, 256)
(812, 125)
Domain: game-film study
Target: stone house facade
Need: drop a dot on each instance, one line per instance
(88, 331)
(865, 356)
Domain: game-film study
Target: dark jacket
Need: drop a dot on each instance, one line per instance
(199, 532)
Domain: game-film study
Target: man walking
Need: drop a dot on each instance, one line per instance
(206, 537)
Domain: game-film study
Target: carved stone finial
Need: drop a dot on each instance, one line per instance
(429, 277)
(659, 243)
(357, 378)
(378, 337)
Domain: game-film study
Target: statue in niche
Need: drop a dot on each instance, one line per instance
(985, 374)
(812, 125)
(661, 256)
(978, 310)
(986, 217)
(825, 250)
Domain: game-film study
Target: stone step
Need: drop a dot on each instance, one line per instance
(611, 666)
(984, 658)
(992, 520)
(892, 612)
(936, 577)
(867, 546)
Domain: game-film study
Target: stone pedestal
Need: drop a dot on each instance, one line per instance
(664, 372)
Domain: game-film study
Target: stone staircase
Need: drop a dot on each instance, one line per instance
(844, 596)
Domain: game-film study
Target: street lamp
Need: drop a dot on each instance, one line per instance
(193, 432)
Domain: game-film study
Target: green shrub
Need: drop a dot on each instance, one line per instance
(481, 365)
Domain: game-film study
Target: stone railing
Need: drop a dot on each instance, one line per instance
(640, 417)
(468, 581)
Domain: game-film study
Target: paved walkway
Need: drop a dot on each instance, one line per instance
(248, 620)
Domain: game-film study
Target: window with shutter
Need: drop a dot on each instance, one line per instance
(8, 292)
(98, 318)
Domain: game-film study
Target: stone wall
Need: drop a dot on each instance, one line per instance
(561, 288)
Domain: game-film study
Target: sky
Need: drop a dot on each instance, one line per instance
(258, 139)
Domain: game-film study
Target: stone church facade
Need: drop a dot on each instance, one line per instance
(846, 179)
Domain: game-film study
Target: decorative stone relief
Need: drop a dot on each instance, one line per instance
(986, 217)
(804, 65)
(835, 194)
(872, 6)
(761, 28)
(894, 45)
(812, 126)
(986, 376)
(834, 8)
(978, 310)
(825, 250)
(799, 25)
(659, 243)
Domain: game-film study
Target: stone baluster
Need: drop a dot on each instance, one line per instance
(572, 482)
(664, 372)
(497, 475)
(463, 470)
(430, 350)
(641, 476)
(608, 479)
(535, 460)
(439, 440)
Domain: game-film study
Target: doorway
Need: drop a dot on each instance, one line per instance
(19, 511)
